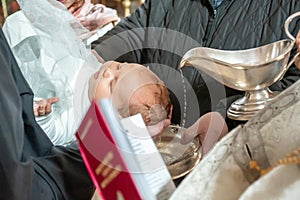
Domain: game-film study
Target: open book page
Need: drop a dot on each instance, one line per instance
(124, 148)
(151, 164)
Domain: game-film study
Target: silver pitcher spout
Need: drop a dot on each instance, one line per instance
(251, 70)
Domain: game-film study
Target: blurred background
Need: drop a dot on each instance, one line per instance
(124, 7)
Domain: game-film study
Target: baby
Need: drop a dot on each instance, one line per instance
(133, 89)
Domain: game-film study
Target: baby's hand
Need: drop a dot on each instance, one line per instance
(44, 106)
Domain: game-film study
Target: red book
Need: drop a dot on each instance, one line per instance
(102, 158)
(109, 158)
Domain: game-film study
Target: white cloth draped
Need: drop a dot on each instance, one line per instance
(55, 62)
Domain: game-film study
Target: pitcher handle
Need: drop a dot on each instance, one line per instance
(286, 28)
(287, 24)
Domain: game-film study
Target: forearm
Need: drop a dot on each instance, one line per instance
(209, 128)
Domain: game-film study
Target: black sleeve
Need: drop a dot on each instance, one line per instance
(125, 41)
(16, 177)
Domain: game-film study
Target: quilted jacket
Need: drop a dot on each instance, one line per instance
(159, 32)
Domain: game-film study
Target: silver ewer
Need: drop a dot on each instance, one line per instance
(250, 70)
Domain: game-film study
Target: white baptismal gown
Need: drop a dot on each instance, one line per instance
(54, 62)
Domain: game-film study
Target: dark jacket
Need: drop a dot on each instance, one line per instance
(31, 168)
(161, 31)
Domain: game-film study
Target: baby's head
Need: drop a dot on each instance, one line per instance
(133, 89)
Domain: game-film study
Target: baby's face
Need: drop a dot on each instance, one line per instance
(119, 81)
(67, 3)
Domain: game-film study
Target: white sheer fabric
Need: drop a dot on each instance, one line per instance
(44, 39)
(269, 136)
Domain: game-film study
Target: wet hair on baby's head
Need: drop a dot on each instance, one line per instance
(153, 109)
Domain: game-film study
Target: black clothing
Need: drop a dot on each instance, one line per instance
(30, 166)
(162, 31)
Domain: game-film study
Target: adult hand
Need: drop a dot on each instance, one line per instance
(44, 106)
(297, 43)
(210, 128)
(96, 16)
(76, 6)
